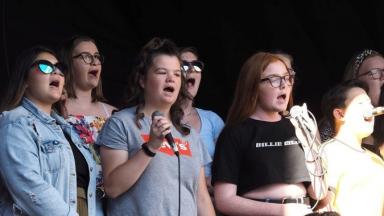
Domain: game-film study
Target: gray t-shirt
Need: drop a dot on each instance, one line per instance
(156, 191)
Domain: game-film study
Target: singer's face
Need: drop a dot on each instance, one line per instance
(193, 78)
(44, 89)
(358, 104)
(87, 75)
(273, 99)
(375, 62)
(163, 81)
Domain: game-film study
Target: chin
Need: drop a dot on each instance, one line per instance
(169, 101)
(54, 98)
(280, 108)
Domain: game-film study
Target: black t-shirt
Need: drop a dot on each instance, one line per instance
(257, 153)
(81, 165)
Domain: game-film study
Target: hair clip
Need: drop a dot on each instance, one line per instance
(360, 58)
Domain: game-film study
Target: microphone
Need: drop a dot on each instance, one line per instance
(297, 113)
(374, 112)
(168, 136)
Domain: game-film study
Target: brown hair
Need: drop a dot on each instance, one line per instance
(148, 53)
(247, 87)
(354, 64)
(17, 81)
(66, 55)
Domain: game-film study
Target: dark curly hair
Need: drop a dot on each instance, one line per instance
(135, 93)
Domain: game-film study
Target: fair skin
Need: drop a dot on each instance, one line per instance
(351, 125)
(351, 120)
(191, 117)
(271, 101)
(44, 89)
(193, 82)
(161, 88)
(374, 84)
(87, 78)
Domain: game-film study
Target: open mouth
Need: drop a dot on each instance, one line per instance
(191, 81)
(54, 83)
(94, 72)
(169, 89)
(282, 96)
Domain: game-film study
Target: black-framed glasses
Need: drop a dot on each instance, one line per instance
(47, 67)
(277, 81)
(88, 58)
(376, 73)
(196, 65)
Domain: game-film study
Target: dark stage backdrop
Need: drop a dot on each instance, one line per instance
(321, 35)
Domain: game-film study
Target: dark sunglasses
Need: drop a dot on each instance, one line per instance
(47, 67)
(196, 65)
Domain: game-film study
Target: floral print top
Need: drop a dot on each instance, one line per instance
(88, 127)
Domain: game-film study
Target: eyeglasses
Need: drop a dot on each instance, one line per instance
(376, 73)
(47, 67)
(277, 81)
(88, 58)
(196, 65)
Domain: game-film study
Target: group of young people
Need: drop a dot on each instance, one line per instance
(65, 151)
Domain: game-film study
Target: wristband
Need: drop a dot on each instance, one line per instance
(146, 150)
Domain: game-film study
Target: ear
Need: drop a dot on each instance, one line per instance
(338, 114)
(141, 82)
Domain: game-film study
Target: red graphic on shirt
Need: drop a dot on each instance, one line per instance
(182, 145)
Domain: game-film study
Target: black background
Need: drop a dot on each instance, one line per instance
(321, 35)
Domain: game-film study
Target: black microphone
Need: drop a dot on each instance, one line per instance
(374, 112)
(168, 136)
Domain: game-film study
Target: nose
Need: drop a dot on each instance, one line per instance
(283, 82)
(382, 75)
(58, 71)
(170, 77)
(94, 60)
(190, 68)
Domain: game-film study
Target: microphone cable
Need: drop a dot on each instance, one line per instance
(179, 178)
(314, 145)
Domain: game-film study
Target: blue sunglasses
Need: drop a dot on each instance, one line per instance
(47, 67)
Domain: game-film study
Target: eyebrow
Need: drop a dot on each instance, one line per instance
(277, 75)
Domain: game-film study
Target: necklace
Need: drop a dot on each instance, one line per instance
(361, 150)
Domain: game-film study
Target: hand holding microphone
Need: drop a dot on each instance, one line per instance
(161, 128)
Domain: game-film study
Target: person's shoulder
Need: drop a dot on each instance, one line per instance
(206, 111)
(209, 114)
(111, 109)
(332, 148)
(125, 114)
(16, 115)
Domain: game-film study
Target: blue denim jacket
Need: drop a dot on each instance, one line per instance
(37, 165)
(94, 203)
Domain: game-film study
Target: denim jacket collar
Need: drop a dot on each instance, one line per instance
(31, 107)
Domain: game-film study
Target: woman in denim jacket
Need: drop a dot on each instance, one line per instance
(38, 173)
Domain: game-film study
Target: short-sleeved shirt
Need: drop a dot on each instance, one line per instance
(358, 178)
(156, 191)
(211, 126)
(256, 153)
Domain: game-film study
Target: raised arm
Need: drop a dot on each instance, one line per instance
(121, 170)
